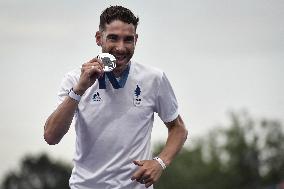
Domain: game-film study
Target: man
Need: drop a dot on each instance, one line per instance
(113, 126)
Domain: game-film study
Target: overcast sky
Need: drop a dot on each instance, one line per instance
(219, 55)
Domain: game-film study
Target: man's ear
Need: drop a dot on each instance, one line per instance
(99, 38)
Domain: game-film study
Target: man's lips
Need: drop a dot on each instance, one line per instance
(120, 57)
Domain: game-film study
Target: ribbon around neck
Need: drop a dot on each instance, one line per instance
(113, 80)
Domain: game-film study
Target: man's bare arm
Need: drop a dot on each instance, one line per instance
(60, 120)
(149, 171)
(177, 135)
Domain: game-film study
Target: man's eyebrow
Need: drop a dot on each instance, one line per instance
(112, 36)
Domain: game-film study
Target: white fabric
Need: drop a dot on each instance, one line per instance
(113, 127)
(74, 96)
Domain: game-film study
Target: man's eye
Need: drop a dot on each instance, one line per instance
(129, 39)
(112, 38)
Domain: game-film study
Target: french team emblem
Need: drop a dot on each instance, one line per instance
(137, 96)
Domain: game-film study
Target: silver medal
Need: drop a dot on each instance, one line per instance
(108, 60)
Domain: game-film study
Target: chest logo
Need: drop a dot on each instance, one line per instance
(96, 97)
(137, 96)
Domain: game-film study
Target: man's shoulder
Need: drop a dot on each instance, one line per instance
(73, 73)
(71, 77)
(147, 69)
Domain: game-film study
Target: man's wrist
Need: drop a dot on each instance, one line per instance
(72, 94)
(160, 161)
(78, 90)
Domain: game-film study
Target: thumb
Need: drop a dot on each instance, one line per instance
(137, 162)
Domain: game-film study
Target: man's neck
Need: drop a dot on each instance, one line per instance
(119, 70)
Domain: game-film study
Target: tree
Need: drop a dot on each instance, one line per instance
(38, 173)
(273, 148)
(245, 154)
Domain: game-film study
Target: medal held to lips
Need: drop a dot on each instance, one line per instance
(108, 60)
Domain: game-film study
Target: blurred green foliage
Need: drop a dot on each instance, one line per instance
(244, 154)
(38, 173)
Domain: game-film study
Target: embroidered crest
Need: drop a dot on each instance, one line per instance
(137, 96)
(96, 97)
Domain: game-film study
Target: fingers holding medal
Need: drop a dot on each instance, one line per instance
(104, 62)
(94, 69)
(90, 71)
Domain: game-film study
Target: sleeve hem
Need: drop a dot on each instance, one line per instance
(171, 118)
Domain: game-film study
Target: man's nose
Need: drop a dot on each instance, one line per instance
(120, 46)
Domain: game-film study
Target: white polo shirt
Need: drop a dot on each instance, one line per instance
(113, 126)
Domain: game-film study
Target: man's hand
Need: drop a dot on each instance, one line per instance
(90, 71)
(148, 173)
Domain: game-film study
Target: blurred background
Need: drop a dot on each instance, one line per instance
(224, 60)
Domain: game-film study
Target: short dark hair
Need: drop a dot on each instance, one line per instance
(117, 13)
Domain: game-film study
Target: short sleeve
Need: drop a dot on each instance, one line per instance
(67, 83)
(166, 103)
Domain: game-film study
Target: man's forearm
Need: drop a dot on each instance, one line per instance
(59, 121)
(176, 138)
